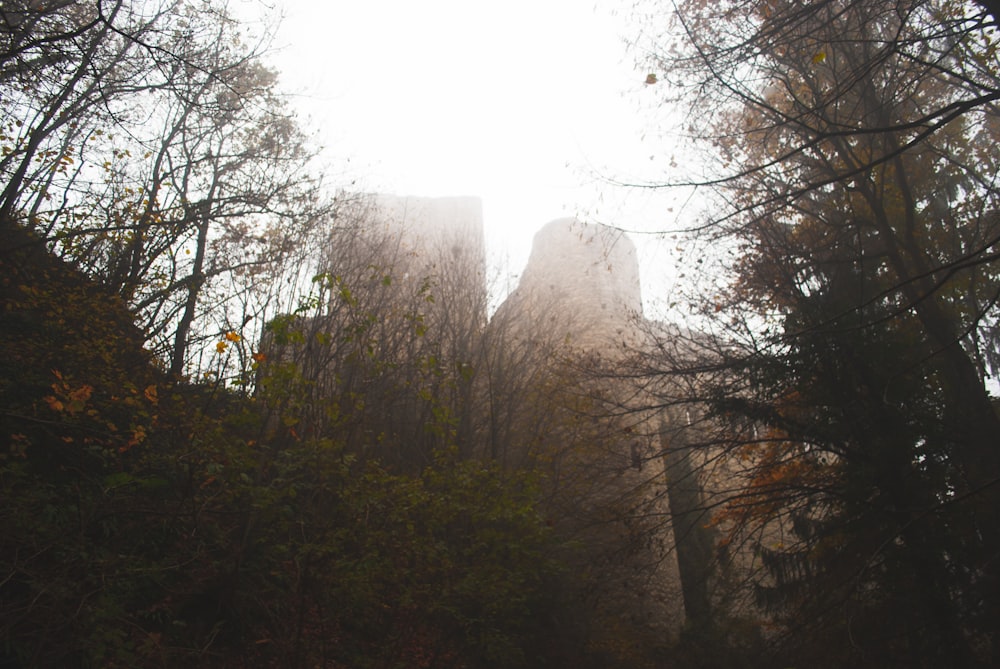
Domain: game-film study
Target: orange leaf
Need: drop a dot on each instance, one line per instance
(81, 394)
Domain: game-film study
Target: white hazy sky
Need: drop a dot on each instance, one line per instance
(524, 103)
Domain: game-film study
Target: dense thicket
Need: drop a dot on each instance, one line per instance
(155, 523)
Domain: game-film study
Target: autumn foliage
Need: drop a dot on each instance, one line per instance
(151, 522)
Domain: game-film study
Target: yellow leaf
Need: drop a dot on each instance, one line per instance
(819, 57)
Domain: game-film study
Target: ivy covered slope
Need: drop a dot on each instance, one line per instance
(157, 524)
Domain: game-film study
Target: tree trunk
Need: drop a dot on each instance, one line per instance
(196, 281)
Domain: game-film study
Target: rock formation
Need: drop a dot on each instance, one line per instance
(581, 286)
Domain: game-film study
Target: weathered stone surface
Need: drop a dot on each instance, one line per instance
(581, 285)
(433, 228)
(579, 301)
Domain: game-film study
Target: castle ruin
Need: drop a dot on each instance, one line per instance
(406, 329)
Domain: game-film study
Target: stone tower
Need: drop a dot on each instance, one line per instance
(581, 286)
(577, 314)
(433, 226)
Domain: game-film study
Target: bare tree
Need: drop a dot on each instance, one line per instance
(150, 145)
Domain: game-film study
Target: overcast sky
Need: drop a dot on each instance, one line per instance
(524, 103)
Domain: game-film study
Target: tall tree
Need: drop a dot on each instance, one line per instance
(855, 161)
(149, 144)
